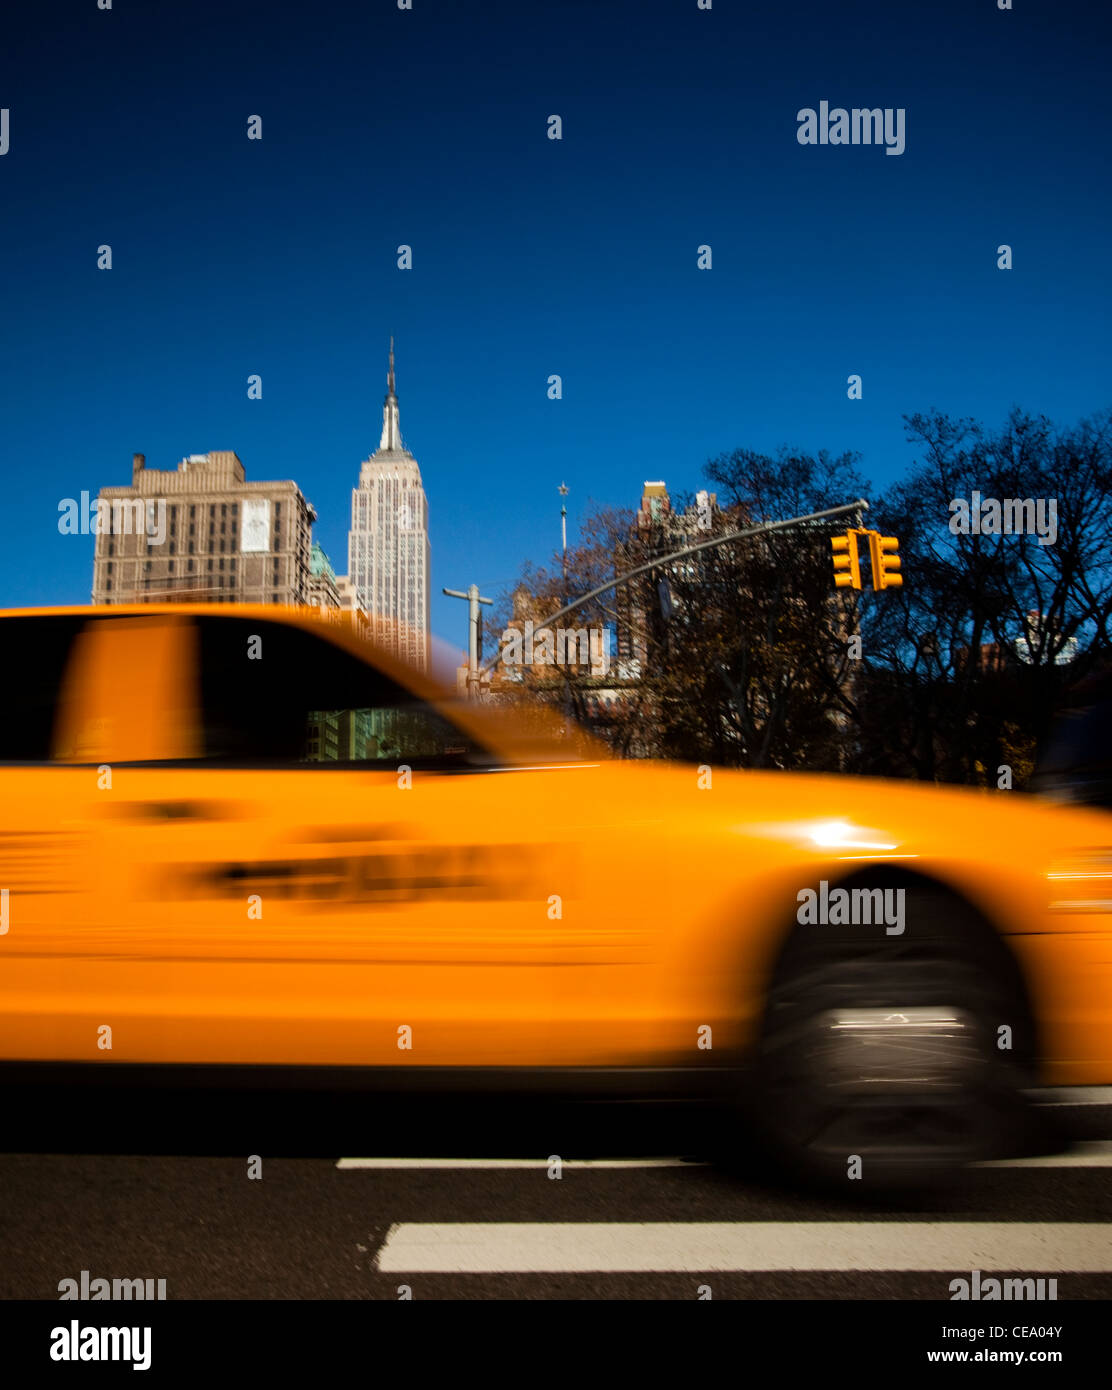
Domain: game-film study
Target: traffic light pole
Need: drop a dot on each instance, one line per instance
(859, 506)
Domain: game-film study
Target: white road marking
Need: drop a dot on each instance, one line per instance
(1091, 1154)
(518, 1163)
(1074, 1095)
(702, 1247)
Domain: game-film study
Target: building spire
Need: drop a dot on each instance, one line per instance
(391, 428)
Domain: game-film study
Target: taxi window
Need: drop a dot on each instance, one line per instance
(36, 653)
(274, 694)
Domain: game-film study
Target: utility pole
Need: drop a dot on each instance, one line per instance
(475, 637)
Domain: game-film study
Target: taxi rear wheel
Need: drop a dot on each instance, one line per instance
(889, 1061)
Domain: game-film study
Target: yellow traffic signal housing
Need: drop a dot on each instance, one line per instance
(885, 561)
(847, 565)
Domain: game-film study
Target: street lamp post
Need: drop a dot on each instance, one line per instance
(474, 637)
(563, 491)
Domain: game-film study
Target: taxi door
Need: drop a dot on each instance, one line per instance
(399, 902)
(297, 864)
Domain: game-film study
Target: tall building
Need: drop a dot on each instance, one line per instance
(201, 531)
(388, 545)
(324, 592)
(657, 530)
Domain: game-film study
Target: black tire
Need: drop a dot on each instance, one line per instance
(879, 1055)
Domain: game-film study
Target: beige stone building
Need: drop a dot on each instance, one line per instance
(351, 605)
(202, 532)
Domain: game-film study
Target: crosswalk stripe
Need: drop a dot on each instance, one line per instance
(1092, 1154)
(765, 1246)
(518, 1163)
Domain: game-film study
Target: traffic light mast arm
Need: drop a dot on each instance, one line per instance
(858, 506)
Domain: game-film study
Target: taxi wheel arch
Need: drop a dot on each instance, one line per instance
(829, 985)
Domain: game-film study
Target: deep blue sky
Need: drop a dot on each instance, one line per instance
(234, 257)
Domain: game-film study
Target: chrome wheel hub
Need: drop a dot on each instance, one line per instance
(895, 1049)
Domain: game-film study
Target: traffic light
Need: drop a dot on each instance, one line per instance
(847, 566)
(885, 561)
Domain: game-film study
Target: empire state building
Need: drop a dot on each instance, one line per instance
(388, 544)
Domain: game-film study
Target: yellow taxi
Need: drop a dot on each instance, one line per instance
(242, 837)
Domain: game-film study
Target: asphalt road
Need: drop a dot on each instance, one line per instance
(359, 1198)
